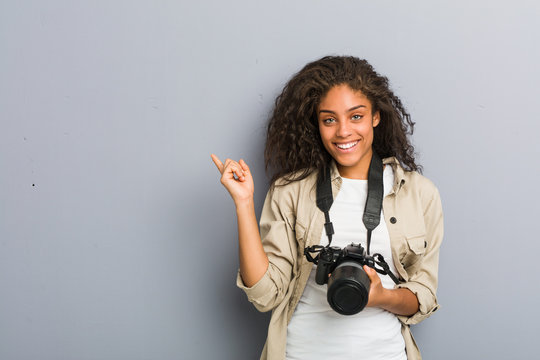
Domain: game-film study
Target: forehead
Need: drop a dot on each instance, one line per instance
(343, 96)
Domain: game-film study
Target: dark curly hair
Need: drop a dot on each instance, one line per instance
(293, 145)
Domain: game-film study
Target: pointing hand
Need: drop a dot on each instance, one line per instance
(236, 178)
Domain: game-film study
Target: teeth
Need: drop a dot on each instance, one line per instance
(346, 146)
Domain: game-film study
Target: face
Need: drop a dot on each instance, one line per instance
(346, 127)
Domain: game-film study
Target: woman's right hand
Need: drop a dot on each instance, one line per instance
(241, 187)
(236, 178)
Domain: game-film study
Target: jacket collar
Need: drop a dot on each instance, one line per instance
(399, 173)
(334, 172)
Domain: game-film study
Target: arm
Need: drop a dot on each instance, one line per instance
(253, 259)
(423, 278)
(415, 299)
(266, 259)
(399, 301)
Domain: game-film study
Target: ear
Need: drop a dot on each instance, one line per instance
(376, 118)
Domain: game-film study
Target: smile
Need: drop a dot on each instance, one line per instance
(347, 145)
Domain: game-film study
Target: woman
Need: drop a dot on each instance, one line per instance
(334, 114)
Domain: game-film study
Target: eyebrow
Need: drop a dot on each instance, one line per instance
(351, 109)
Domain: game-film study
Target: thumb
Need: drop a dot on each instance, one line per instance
(371, 273)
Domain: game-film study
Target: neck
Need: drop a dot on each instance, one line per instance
(347, 172)
(358, 171)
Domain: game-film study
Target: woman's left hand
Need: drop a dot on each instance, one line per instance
(376, 290)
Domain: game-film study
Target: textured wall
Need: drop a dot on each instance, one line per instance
(117, 240)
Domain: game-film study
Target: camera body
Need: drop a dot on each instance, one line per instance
(348, 283)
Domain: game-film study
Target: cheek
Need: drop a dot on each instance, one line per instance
(325, 137)
(367, 130)
(324, 134)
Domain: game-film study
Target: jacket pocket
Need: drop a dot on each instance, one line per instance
(417, 244)
(414, 252)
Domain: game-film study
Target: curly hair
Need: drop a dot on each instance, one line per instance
(294, 148)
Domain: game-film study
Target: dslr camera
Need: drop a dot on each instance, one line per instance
(342, 269)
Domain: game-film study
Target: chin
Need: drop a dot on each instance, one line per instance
(347, 160)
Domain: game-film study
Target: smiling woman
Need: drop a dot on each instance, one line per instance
(346, 122)
(331, 123)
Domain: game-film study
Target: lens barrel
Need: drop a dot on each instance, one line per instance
(348, 288)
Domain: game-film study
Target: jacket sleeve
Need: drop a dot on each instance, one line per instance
(278, 238)
(423, 282)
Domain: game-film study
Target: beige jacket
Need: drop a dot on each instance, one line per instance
(290, 221)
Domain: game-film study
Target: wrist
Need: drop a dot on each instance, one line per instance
(244, 203)
(379, 298)
(385, 298)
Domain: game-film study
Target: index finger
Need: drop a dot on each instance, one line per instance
(218, 162)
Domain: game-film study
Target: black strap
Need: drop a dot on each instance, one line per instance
(379, 260)
(325, 199)
(372, 210)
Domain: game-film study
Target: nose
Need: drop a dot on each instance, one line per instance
(344, 129)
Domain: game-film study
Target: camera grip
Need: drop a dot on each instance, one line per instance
(321, 276)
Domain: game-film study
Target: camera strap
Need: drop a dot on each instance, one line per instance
(372, 209)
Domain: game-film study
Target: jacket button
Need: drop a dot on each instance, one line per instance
(393, 220)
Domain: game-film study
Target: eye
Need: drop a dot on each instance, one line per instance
(357, 117)
(329, 121)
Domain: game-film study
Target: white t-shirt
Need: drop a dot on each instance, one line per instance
(316, 331)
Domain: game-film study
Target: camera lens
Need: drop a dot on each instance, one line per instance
(348, 288)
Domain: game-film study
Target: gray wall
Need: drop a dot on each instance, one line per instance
(117, 240)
